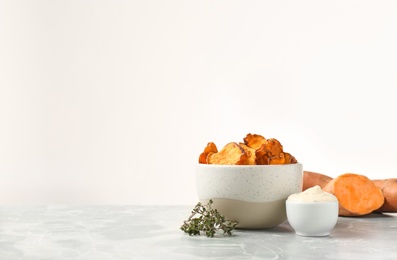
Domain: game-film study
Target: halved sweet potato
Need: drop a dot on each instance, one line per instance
(357, 195)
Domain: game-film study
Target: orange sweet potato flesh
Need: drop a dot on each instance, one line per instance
(357, 195)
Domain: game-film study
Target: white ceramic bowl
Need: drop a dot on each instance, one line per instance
(253, 195)
(312, 218)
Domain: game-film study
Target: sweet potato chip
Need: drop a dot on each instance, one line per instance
(210, 148)
(278, 159)
(256, 149)
(289, 159)
(261, 157)
(231, 154)
(244, 160)
(266, 153)
(250, 152)
(254, 141)
(274, 147)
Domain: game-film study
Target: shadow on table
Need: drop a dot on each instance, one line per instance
(373, 215)
(280, 229)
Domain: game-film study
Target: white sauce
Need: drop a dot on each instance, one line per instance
(313, 194)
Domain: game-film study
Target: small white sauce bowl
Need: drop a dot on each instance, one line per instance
(312, 218)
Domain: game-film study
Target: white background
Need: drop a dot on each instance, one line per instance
(111, 102)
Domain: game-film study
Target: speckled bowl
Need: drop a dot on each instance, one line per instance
(253, 195)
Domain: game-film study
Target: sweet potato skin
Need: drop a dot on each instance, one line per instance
(311, 179)
(389, 189)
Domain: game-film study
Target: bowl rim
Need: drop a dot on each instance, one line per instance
(311, 202)
(248, 166)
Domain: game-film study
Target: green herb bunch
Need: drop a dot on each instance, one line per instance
(209, 221)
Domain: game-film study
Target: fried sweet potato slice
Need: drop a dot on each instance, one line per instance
(231, 154)
(283, 158)
(262, 157)
(256, 149)
(250, 152)
(278, 159)
(290, 159)
(210, 148)
(272, 150)
(254, 141)
(244, 159)
(274, 147)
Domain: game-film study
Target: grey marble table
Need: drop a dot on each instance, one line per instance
(152, 232)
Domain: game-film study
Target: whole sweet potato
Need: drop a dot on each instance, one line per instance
(389, 189)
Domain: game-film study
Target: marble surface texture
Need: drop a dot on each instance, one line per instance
(152, 232)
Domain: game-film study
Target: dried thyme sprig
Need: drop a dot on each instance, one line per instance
(209, 221)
